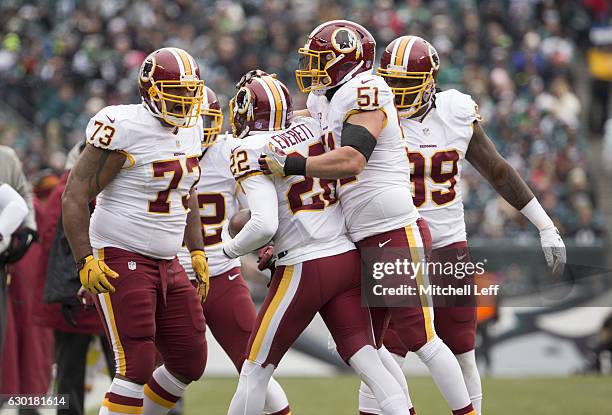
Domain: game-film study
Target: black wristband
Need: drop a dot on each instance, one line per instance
(295, 166)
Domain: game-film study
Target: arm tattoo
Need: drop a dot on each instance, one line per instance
(483, 155)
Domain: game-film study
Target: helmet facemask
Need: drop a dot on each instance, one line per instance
(178, 103)
(412, 90)
(213, 122)
(311, 74)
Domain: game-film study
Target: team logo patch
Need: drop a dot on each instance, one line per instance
(147, 69)
(344, 40)
(243, 100)
(435, 59)
(131, 265)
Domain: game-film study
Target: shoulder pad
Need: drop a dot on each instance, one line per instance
(104, 129)
(365, 92)
(460, 107)
(309, 122)
(244, 158)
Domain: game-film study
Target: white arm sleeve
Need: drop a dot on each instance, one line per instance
(260, 229)
(13, 210)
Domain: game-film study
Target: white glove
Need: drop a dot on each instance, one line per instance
(273, 160)
(554, 249)
(5, 241)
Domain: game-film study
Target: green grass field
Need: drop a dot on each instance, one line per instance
(338, 396)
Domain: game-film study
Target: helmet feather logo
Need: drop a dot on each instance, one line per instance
(344, 40)
(435, 59)
(147, 69)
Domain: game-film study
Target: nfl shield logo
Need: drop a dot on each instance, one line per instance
(131, 265)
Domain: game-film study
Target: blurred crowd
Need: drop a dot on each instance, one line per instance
(61, 61)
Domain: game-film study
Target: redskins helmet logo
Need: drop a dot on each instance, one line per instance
(435, 59)
(147, 69)
(344, 40)
(242, 101)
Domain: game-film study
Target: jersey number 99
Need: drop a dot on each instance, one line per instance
(443, 167)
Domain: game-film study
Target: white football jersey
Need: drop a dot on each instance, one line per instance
(310, 220)
(436, 146)
(144, 208)
(217, 200)
(378, 199)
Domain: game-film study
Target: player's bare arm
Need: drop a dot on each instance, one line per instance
(358, 140)
(94, 170)
(483, 155)
(193, 229)
(359, 135)
(195, 244)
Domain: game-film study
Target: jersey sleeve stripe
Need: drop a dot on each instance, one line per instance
(130, 159)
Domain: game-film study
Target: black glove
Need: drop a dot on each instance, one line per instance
(20, 243)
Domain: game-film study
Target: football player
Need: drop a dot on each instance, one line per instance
(366, 149)
(442, 128)
(229, 309)
(141, 161)
(317, 266)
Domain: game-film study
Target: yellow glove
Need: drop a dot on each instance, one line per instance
(93, 274)
(200, 267)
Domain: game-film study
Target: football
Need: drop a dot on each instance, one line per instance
(238, 221)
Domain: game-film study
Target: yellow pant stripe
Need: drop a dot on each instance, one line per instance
(272, 308)
(149, 393)
(121, 367)
(414, 253)
(113, 326)
(122, 409)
